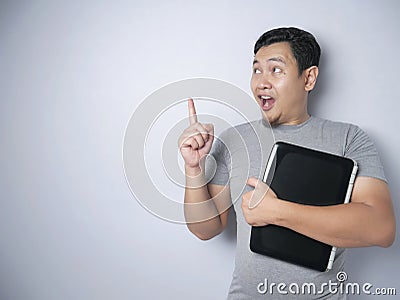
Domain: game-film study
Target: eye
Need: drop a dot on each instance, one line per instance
(276, 70)
(256, 71)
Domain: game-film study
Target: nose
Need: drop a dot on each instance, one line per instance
(264, 83)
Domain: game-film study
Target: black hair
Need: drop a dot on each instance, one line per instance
(303, 44)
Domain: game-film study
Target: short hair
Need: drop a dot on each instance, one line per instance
(303, 44)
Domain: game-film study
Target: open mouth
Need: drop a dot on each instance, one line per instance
(267, 102)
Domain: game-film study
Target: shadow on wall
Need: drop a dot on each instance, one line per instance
(317, 96)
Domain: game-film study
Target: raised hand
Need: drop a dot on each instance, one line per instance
(195, 142)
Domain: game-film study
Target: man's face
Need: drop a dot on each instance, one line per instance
(277, 86)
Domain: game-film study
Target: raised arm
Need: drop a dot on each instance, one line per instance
(205, 218)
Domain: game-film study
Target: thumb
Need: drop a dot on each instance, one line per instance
(209, 128)
(252, 181)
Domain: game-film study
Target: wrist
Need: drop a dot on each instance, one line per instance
(196, 170)
(193, 171)
(282, 213)
(195, 177)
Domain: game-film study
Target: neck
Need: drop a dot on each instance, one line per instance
(297, 120)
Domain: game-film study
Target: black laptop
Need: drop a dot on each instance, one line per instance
(310, 177)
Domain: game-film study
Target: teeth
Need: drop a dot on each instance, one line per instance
(265, 97)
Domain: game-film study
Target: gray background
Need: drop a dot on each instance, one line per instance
(72, 74)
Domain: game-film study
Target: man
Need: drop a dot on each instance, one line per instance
(285, 70)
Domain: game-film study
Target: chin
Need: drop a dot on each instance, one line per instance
(272, 120)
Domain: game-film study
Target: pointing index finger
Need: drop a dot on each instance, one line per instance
(192, 112)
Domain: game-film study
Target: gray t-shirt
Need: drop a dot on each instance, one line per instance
(239, 154)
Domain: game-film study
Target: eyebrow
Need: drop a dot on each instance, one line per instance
(276, 59)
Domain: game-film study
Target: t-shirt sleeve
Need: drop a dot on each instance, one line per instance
(220, 153)
(361, 148)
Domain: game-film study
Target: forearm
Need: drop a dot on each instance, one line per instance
(346, 225)
(201, 214)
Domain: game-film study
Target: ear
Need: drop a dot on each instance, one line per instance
(310, 78)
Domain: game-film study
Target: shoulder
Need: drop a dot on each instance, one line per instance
(242, 127)
(334, 125)
(353, 133)
(356, 140)
(347, 130)
(242, 130)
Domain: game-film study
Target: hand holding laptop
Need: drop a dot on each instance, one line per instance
(259, 204)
